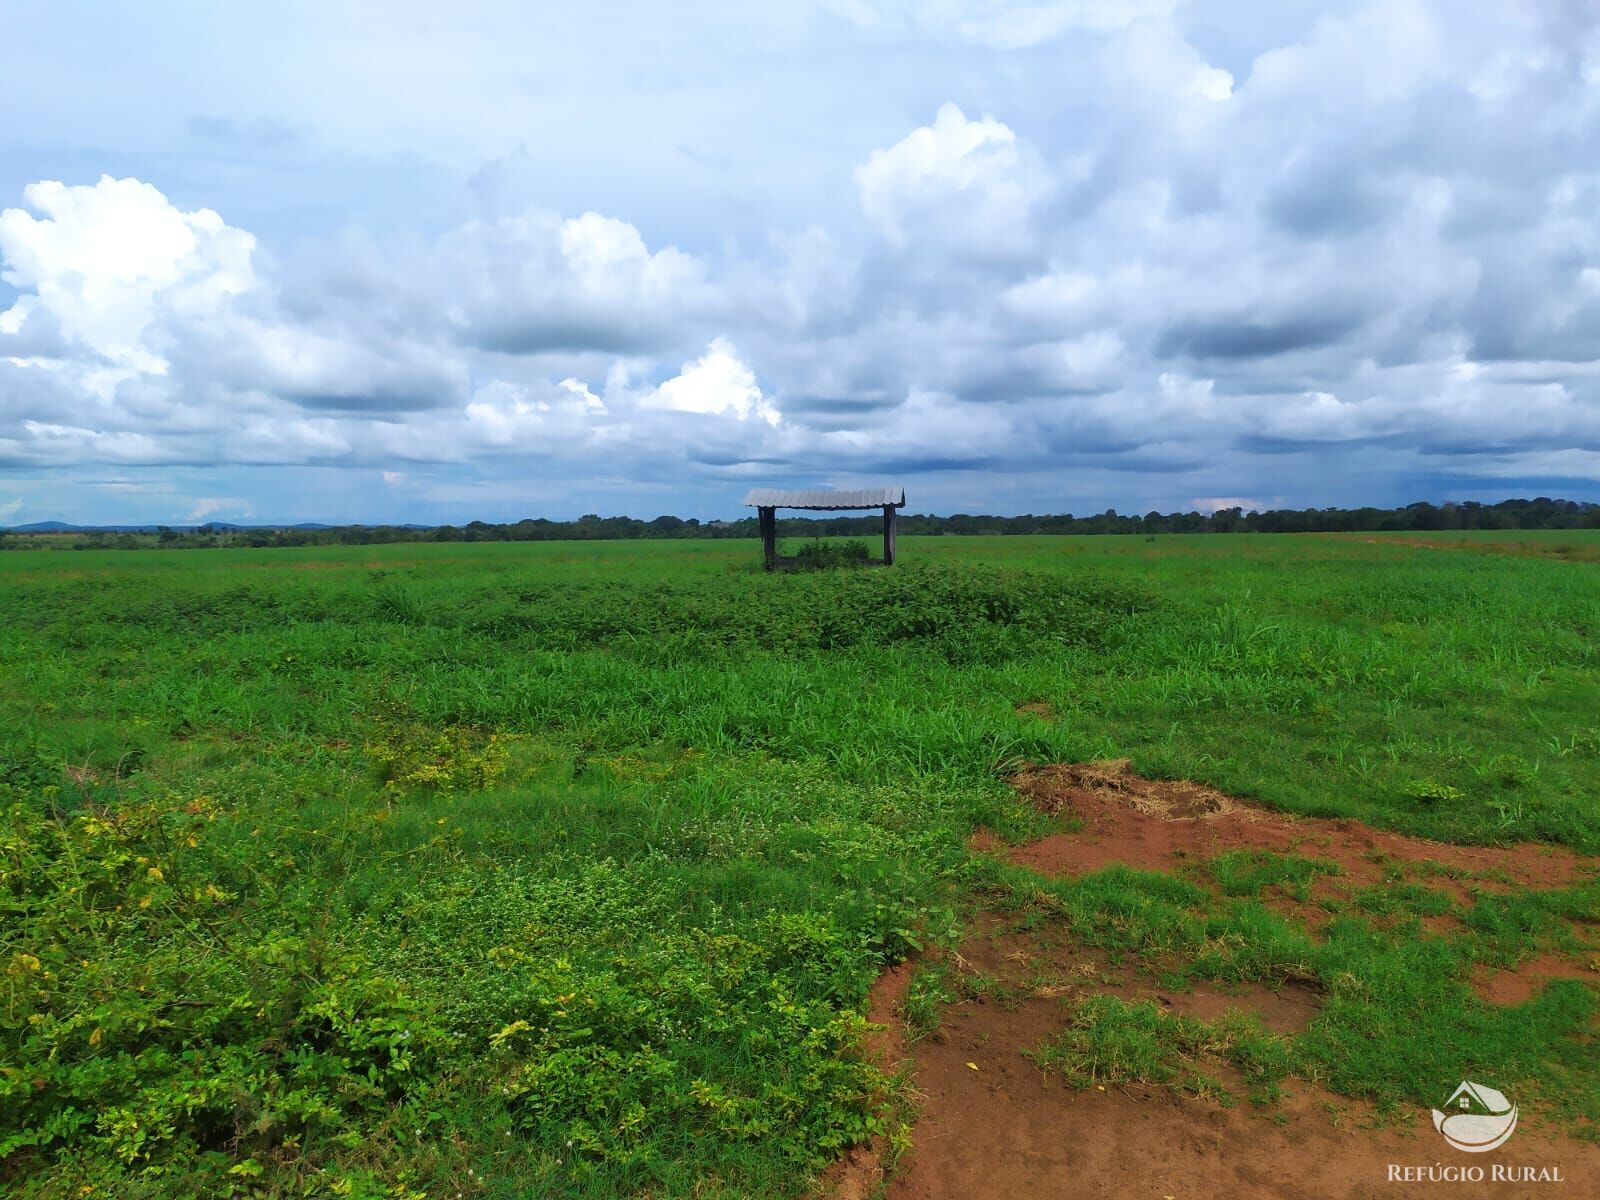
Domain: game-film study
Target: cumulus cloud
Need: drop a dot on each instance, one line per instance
(536, 419)
(964, 180)
(1130, 254)
(538, 283)
(143, 333)
(719, 382)
(103, 261)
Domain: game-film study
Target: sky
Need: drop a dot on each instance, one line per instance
(343, 261)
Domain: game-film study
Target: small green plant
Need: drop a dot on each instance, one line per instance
(1402, 899)
(1507, 771)
(819, 555)
(1111, 1040)
(455, 758)
(393, 601)
(1247, 872)
(1427, 791)
(930, 989)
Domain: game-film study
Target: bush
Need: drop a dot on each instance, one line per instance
(149, 1016)
(819, 555)
(967, 613)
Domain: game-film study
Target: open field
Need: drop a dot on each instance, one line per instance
(1567, 545)
(568, 868)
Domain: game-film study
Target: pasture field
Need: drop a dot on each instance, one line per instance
(565, 869)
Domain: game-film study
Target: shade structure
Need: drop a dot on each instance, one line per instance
(767, 502)
(812, 498)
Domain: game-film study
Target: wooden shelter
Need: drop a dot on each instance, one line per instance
(767, 502)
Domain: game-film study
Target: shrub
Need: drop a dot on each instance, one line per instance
(455, 758)
(819, 555)
(149, 1015)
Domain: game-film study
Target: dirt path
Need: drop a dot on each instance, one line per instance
(993, 1124)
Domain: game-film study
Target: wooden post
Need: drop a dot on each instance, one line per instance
(769, 536)
(888, 535)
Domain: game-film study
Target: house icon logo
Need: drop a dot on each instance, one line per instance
(1476, 1118)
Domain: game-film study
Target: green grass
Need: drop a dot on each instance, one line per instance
(1108, 1040)
(564, 868)
(1374, 979)
(1249, 872)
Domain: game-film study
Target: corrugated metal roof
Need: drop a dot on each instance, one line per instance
(849, 498)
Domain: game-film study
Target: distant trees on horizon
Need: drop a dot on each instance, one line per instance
(1540, 513)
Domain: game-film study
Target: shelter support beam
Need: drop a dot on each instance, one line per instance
(769, 536)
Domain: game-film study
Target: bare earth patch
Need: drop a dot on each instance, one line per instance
(1519, 984)
(1049, 963)
(1158, 825)
(992, 1123)
(1009, 1130)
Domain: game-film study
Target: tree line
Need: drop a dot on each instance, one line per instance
(1540, 513)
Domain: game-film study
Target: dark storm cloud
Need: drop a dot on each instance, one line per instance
(1328, 200)
(1253, 339)
(539, 335)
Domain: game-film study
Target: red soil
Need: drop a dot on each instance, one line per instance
(1519, 984)
(1158, 825)
(992, 1124)
(1007, 1130)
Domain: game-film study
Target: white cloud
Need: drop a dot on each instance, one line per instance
(150, 338)
(1058, 296)
(536, 282)
(105, 260)
(955, 175)
(1015, 26)
(10, 508)
(1152, 67)
(606, 254)
(581, 390)
(536, 418)
(326, 372)
(718, 382)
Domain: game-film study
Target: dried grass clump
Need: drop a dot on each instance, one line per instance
(1050, 787)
